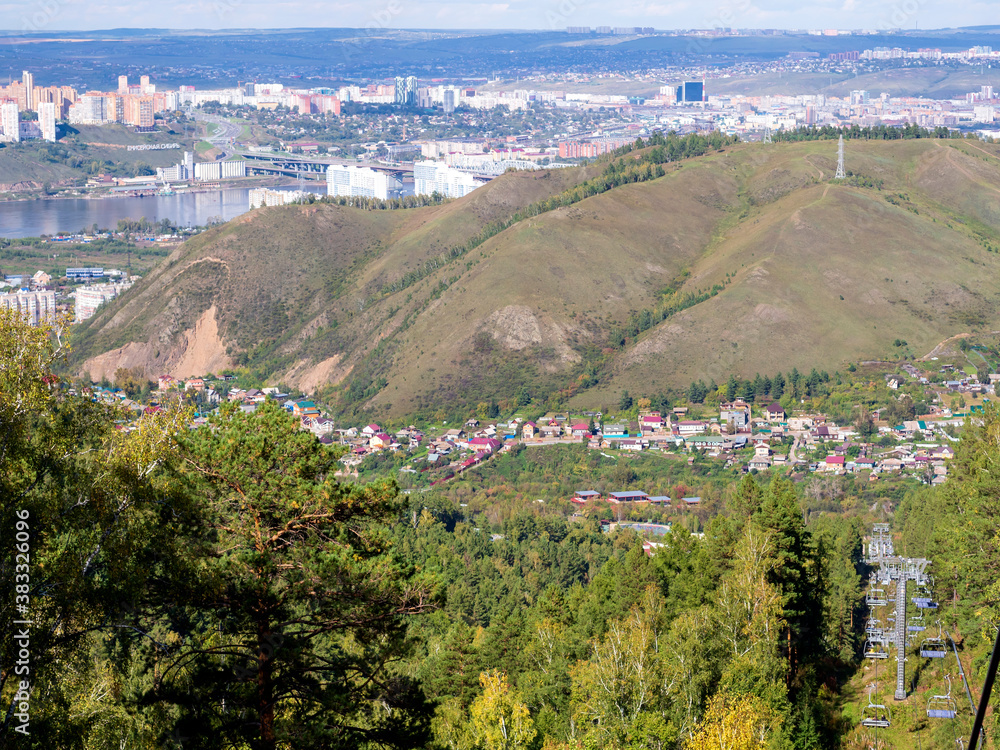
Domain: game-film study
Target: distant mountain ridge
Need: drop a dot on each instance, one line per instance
(745, 260)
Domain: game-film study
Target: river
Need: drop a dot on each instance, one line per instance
(58, 215)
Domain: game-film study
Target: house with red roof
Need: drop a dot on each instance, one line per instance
(485, 445)
(381, 440)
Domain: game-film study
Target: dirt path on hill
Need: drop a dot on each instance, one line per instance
(938, 350)
(967, 173)
(806, 160)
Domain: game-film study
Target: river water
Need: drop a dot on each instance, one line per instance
(58, 215)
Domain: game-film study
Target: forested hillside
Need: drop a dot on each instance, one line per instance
(219, 587)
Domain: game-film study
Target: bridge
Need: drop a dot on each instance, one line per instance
(289, 165)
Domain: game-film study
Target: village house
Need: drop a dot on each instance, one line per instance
(653, 424)
(379, 441)
(194, 384)
(736, 413)
(631, 496)
(484, 445)
(371, 429)
(581, 430)
(529, 430)
(550, 431)
(691, 427)
(615, 431)
(774, 413)
(165, 382)
(585, 496)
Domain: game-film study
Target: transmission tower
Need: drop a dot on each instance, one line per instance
(767, 136)
(840, 160)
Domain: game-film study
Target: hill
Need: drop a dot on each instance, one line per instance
(83, 151)
(585, 281)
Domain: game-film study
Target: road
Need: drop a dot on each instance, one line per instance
(225, 133)
(792, 458)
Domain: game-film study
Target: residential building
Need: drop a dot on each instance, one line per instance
(10, 119)
(406, 90)
(90, 298)
(47, 120)
(137, 111)
(28, 80)
(36, 307)
(267, 197)
(360, 182)
(431, 177)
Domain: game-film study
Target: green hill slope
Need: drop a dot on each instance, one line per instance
(749, 259)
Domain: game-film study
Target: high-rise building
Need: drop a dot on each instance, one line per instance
(122, 84)
(28, 81)
(810, 114)
(36, 307)
(691, 91)
(431, 177)
(359, 182)
(144, 85)
(860, 96)
(188, 165)
(450, 100)
(10, 119)
(90, 298)
(47, 120)
(406, 90)
(138, 111)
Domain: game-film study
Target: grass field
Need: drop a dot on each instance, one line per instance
(54, 259)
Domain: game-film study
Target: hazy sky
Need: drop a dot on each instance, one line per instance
(521, 14)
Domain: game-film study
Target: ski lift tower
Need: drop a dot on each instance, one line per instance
(902, 570)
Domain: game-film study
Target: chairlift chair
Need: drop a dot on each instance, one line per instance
(875, 650)
(942, 706)
(925, 603)
(916, 624)
(875, 714)
(876, 598)
(872, 626)
(934, 648)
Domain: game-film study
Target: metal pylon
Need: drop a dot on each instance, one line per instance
(767, 135)
(840, 160)
(901, 637)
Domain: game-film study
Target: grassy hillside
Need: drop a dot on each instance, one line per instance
(746, 259)
(29, 164)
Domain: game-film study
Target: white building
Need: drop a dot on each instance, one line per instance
(358, 182)
(10, 119)
(210, 170)
(233, 168)
(36, 307)
(89, 110)
(266, 197)
(437, 177)
(47, 120)
(89, 298)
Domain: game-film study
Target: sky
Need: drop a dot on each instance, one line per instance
(70, 15)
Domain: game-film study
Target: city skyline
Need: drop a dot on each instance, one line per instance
(81, 15)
